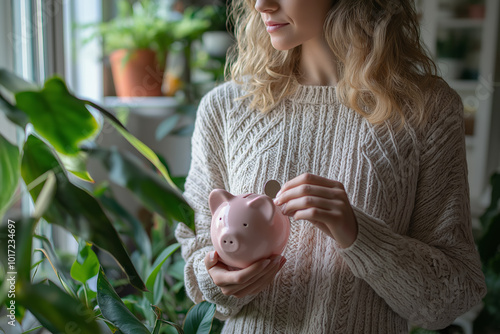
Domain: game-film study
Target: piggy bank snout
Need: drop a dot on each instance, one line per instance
(229, 243)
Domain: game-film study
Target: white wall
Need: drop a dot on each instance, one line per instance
(5, 32)
(6, 52)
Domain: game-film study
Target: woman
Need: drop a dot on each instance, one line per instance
(338, 101)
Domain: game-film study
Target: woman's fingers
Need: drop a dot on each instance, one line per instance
(259, 283)
(323, 202)
(231, 289)
(307, 202)
(263, 283)
(312, 191)
(211, 259)
(312, 179)
(273, 265)
(304, 190)
(222, 276)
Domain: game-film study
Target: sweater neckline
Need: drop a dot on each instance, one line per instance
(314, 94)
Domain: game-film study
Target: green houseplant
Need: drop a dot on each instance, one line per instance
(137, 42)
(488, 243)
(123, 278)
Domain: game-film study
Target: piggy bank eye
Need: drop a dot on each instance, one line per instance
(245, 224)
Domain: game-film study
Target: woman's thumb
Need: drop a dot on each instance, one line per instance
(211, 259)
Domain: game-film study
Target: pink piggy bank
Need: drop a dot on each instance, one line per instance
(246, 228)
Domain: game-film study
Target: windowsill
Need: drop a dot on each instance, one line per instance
(157, 106)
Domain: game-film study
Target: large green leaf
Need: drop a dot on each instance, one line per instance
(56, 310)
(14, 84)
(86, 264)
(153, 295)
(15, 254)
(140, 146)
(137, 231)
(24, 230)
(489, 244)
(15, 115)
(10, 84)
(4, 284)
(495, 191)
(58, 116)
(16, 239)
(77, 165)
(167, 126)
(48, 251)
(9, 172)
(74, 208)
(46, 196)
(114, 310)
(199, 318)
(157, 195)
(159, 321)
(187, 213)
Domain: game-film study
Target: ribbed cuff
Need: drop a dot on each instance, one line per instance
(374, 246)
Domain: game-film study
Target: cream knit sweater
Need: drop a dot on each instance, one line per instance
(414, 258)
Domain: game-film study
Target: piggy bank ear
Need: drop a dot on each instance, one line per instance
(217, 197)
(265, 205)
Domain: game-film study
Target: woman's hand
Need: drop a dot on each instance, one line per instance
(323, 202)
(243, 282)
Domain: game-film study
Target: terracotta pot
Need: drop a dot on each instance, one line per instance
(477, 11)
(139, 75)
(469, 124)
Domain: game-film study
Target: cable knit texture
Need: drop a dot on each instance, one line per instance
(414, 259)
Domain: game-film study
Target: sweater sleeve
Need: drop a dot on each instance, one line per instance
(433, 275)
(207, 172)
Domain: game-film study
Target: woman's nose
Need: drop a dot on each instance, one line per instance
(266, 6)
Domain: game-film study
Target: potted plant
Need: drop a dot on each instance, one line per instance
(451, 51)
(488, 244)
(216, 40)
(141, 290)
(137, 42)
(476, 9)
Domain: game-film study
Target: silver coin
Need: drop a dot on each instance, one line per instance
(271, 188)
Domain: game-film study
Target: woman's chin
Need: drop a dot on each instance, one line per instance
(280, 46)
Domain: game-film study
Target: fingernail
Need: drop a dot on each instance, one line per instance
(283, 208)
(276, 201)
(266, 262)
(212, 256)
(277, 260)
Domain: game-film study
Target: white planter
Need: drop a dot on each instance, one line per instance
(450, 68)
(216, 43)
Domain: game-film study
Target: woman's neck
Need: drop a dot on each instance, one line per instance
(318, 64)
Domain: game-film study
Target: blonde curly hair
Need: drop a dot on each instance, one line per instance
(384, 69)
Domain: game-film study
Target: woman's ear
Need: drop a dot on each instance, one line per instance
(217, 197)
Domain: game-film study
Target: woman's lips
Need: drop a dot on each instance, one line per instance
(274, 26)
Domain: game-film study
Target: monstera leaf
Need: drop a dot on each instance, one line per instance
(9, 172)
(74, 208)
(58, 116)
